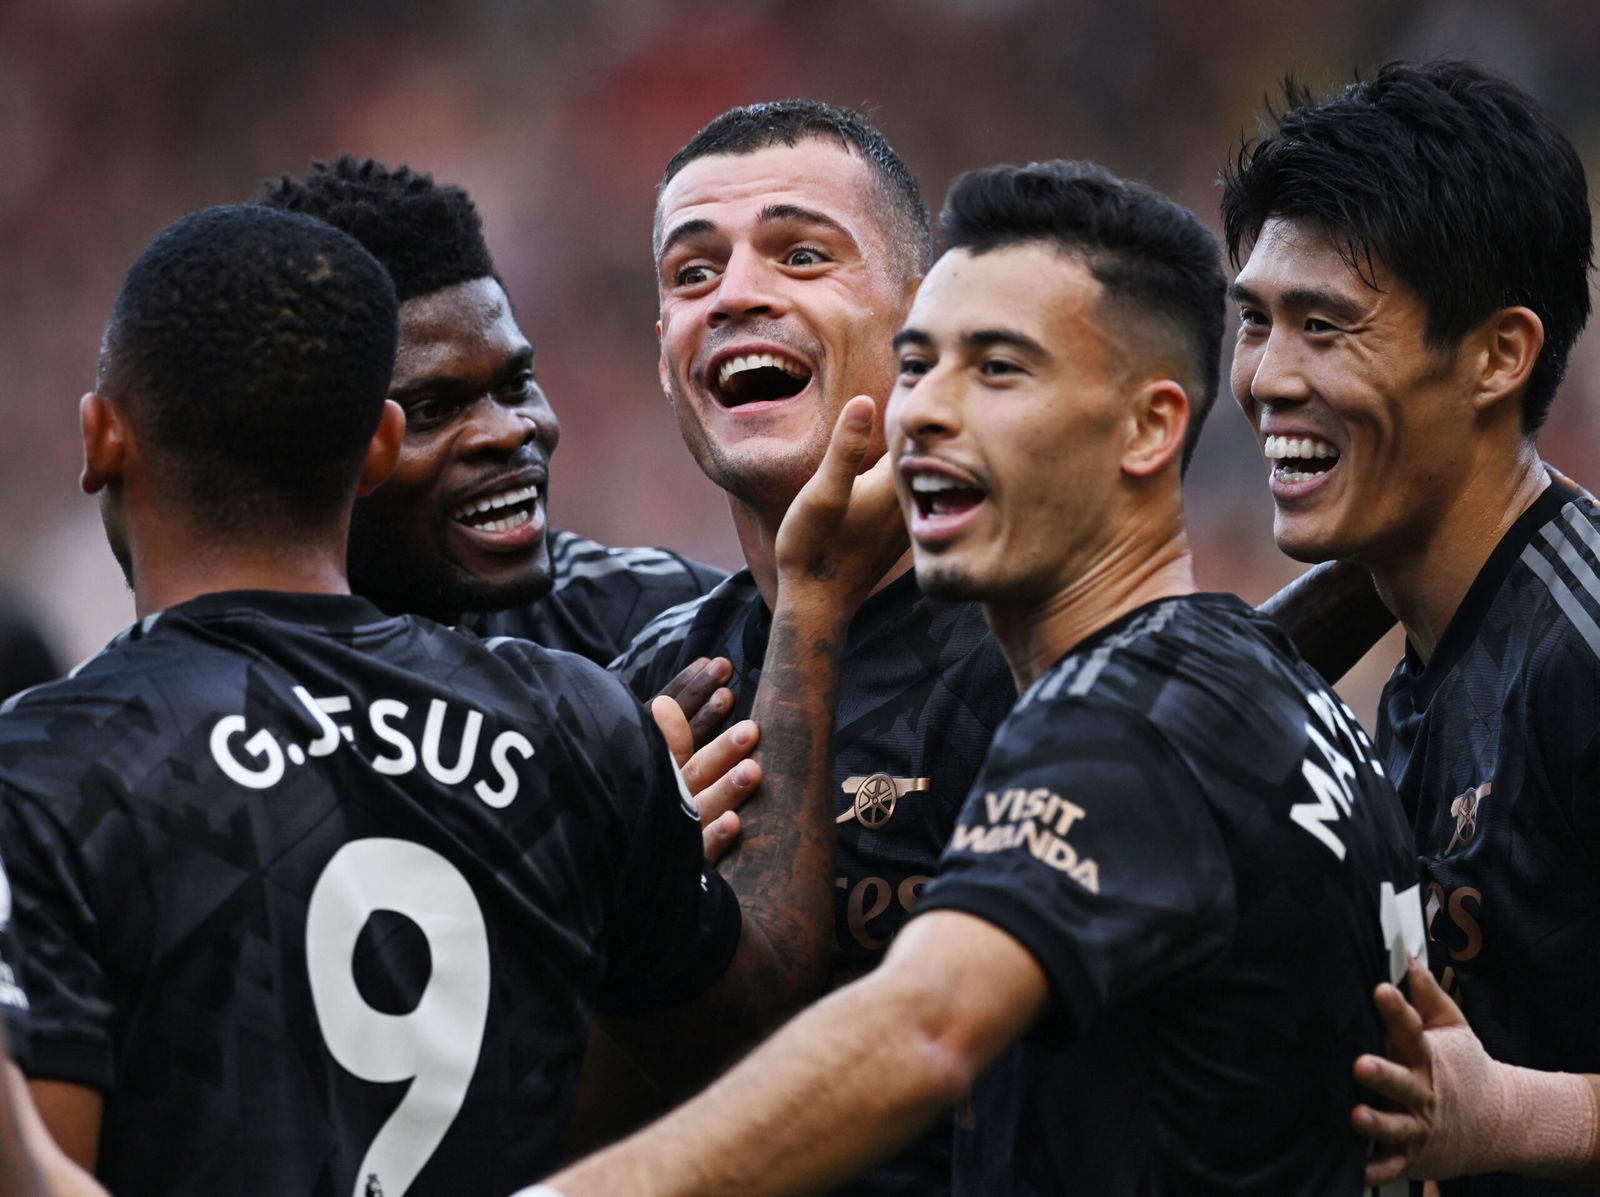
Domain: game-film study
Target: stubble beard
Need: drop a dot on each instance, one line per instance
(402, 575)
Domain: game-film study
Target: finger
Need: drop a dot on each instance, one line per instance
(1383, 1167)
(674, 728)
(1402, 1024)
(847, 447)
(1386, 1126)
(728, 792)
(697, 682)
(721, 755)
(1432, 1003)
(709, 717)
(1393, 1081)
(719, 836)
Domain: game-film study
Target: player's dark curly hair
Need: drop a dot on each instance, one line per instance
(427, 235)
(755, 127)
(252, 351)
(1454, 179)
(1152, 257)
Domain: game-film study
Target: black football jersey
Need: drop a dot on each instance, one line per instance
(1190, 834)
(602, 597)
(1494, 744)
(323, 901)
(13, 997)
(922, 688)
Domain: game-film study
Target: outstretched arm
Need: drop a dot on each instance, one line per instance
(1459, 1112)
(847, 1082)
(1333, 614)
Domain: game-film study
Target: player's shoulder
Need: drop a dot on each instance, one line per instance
(1172, 647)
(561, 676)
(701, 626)
(577, 562)
(1558, 585)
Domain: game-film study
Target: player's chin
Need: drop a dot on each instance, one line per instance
(1308, 541)
(500, 590)
(941, 577)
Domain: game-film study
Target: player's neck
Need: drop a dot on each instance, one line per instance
(1424, 581)
(758, 536)
(1035, 636)
(175, 565)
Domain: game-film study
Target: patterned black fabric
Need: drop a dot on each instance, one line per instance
(602, 597)
(1186, 829)
(922, 690)
(13, 998)
(276, 855)
(1495, 748)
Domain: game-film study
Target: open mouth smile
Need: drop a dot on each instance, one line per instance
(1297, 459)
(759, 377)
(942, 502)
(506, 510)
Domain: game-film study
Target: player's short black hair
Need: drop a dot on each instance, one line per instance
(252, 350)
(427, 235)
(1150, 255)
(753, 127)
(1450, 176)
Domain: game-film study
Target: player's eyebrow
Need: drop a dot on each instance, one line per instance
(911, 336)
(984, 338)
(520, 360)
(1344, 310)
(775, 212)
(689, 228)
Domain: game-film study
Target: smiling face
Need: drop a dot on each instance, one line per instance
(460, 525)
(779, 295)
(1367, 430)
(1007, 424)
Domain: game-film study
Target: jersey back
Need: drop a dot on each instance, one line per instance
(323, 901)
(1191, 836)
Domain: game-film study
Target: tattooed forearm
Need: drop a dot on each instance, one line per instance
(1333, 614)
(782, 866)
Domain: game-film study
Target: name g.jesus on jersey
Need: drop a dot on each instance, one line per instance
(257, 759)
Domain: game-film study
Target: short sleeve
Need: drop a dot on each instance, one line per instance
(70, 1011)
(678, 924)
(1087, 839)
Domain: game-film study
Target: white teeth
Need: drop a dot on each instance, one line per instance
(505, 498)
(757, 361)
(1276, 448)
(930, 483)
(505, 525)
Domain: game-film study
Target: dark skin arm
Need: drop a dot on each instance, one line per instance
(62, 1168)
(1333, 615)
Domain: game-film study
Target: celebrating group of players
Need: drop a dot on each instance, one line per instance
(342, 871)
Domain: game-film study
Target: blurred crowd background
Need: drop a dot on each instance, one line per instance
(118, 116)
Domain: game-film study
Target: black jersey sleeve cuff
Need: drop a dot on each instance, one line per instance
(1073, 994)
(71, 1060)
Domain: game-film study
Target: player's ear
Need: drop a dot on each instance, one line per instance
(663, 372)
(1506, 346)
(106, 438)
(1158, 419)
(383, 454)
